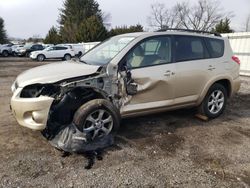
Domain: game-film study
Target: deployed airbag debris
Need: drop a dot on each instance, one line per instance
(71, 140)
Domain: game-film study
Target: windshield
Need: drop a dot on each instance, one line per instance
(106, 51)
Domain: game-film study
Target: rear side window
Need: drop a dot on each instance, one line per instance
(216, 47)
(61, 48)
(189, 48)
(37, 47)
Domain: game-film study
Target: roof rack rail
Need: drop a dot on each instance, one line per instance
(190, 30)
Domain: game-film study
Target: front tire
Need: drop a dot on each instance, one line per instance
(5, 53)
(97, 118)
(215, 101)
(40, 58)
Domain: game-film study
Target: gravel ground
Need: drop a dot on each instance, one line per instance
(171, 149)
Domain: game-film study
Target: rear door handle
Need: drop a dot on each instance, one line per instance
(211, 68)
(168, 73)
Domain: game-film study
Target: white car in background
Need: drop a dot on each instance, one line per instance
(78, 48)
(5, 50)
(54, 52)
(15, 48)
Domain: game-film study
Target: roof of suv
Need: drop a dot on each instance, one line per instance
(138, 34)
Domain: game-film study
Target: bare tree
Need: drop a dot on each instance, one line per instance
(106, 17)
(162, 17)
(203, 15)
(248, 23)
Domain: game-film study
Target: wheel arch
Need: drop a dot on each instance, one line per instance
(228, 86)
(226, 81)
(71, 101)
(42, 55)
(67, 54)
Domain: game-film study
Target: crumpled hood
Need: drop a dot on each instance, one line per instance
(55, 72)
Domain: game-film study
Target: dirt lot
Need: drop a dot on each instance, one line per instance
(172, 149)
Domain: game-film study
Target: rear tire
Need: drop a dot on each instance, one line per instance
(214, 103)
(67, 57)
(97, 117)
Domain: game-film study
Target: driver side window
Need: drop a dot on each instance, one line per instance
(153, 51)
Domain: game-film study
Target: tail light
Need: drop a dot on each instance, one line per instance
(236, 59)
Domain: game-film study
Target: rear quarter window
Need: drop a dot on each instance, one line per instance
(215, 47)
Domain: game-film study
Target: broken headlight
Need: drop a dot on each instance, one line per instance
(37, 90)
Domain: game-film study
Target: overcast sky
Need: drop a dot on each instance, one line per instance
(26, 18)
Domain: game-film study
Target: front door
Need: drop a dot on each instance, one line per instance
(51, 52)
(152, 70)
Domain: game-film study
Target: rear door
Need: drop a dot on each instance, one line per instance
(194, 67)
(61, 51)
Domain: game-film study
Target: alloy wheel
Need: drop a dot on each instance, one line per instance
(98, 123)
(216, 101)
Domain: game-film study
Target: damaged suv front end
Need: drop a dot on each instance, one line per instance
(30, 111)
(47, 97)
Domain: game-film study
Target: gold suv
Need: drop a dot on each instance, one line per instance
(128, 75)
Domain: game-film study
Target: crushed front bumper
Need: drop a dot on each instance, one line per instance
(31, 112)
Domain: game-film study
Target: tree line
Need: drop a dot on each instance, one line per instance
(84, 21)
(3, 34)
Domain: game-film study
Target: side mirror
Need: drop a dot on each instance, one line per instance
(131, 88)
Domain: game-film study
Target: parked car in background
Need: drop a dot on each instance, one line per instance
(28, 48)
(78, 48)
(128, 75)
(54, 52)
(5, 49)
(15, 48)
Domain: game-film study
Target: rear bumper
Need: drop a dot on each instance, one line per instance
(236, 85)
(31, 112)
